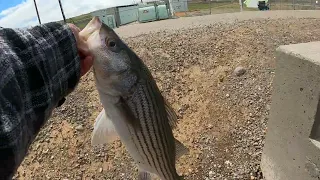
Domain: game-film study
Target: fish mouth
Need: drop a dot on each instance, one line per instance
(93, 26)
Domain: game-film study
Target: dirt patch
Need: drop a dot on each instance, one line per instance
(222, 117)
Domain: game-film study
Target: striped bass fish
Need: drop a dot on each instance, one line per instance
(134, 108)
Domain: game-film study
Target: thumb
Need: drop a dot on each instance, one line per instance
(83, 47)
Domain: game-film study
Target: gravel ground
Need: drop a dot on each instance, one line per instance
(222, 111)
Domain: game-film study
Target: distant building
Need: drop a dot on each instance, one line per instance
(117, 16)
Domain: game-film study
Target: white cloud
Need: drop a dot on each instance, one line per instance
(10, 10)
(24, 14)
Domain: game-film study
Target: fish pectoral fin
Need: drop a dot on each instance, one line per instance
(129, 117)
(144, 175)
(103, 131)
(180, 149)
(171, 114)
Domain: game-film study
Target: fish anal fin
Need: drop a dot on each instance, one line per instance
(103, 131)
(180, 149)
(171, 114)
(144, 175)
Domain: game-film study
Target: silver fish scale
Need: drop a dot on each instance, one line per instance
(154, 140)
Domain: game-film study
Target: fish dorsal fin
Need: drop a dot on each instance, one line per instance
(171, 114)
(180, 149)
(103, 131)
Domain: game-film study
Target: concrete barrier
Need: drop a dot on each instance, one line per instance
(292, 145)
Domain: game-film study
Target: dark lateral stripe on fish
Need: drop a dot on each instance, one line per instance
(171, 155)
(152, 116)
(143, 118)
(154, 94)
(134, 140)
(159, 126)
(147, 118)
(161, 129)
(135, 131)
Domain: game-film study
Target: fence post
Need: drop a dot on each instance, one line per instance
(240, 3)
(168, 7)
(312, 2)
(35, 4)
(63, 16)
(269, 4)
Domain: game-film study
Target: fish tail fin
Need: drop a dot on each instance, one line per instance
(180, 149)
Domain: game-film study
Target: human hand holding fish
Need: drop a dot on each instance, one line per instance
(86, 58)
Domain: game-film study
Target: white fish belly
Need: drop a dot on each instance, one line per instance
(127, 137)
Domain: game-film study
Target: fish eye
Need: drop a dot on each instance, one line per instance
(111, 43)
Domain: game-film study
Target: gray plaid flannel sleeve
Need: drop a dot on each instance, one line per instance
(38, 68)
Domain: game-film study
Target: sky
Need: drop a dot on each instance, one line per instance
(22, 13)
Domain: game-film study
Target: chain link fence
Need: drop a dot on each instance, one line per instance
(80, 22)
(294, 4)
(185, 8)
(205, 7)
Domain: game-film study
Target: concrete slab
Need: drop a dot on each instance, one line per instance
(292, 147)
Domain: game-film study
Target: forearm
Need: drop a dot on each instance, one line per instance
(39, 67)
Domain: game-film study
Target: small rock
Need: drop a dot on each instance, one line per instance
(79, 128)
(100, 170)
(227, 95)
(16, 176)
(45, 151)
(37, 146)
(239, 71)
(268, 107)
(211, 173)
(228, 162)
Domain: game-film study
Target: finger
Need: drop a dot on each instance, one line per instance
(86, 64)
(83, 48)
(74, 28)
(83, 54)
